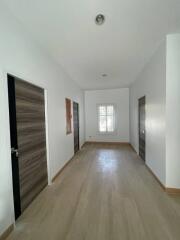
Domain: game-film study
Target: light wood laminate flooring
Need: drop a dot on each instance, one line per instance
(105, 193)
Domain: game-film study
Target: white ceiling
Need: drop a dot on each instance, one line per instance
(119, 48)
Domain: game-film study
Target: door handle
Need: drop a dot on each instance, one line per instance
(14, 151)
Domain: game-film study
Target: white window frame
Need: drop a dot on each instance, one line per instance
(98, 118)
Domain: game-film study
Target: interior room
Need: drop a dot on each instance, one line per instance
(89, 120)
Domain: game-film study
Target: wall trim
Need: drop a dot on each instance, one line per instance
(168, 190)
(61, 170)
(133, 148)
(157, 179)
(102, 142)
(84, 143)
(173, 190)
(66, 164)
(7, 232)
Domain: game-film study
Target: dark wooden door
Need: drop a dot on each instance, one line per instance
(28, 141)
(142, 128)
(76, 126)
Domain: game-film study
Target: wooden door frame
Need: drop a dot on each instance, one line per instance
(143, 97)
(78, 125)
(6, 75)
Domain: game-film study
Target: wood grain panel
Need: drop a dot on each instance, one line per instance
(30, 114)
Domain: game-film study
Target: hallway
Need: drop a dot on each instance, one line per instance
(105, 193)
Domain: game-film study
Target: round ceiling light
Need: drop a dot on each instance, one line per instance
(100, 19)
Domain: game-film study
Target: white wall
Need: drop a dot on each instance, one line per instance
(173, 111)
(19, 55)
(119, 97)
(151, 83)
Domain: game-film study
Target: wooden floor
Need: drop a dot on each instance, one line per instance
(106, 193)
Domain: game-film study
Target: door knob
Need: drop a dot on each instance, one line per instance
(13, 150)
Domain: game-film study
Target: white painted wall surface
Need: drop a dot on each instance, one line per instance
(173, 111)
(151, 83)
(19, 55)
(118, 97)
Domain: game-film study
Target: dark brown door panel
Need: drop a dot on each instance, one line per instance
(142, 127)
(30, 140)
(76, 126)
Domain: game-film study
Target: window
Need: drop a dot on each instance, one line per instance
(106, 118)
(68, 116)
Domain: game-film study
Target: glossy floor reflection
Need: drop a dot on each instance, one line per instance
(107, 161)
(106, 193)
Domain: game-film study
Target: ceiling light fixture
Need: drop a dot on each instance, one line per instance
(104, 75)
(100, 19)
